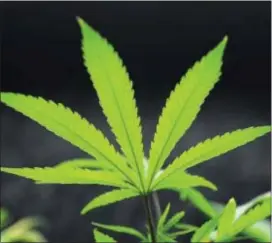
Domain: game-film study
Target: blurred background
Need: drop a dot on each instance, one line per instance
(158, 42)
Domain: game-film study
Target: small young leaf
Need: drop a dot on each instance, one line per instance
(203, 233)
(183, 232)
(183, 105)
(214, 147)
(260, 231)
(226, 220)
(51, 175)
(163, 217)
(186, 226)
(247, 206)
(115, 92)
(108, 198)
(70, 126)
(257, 213)
(198, 200)
(84, 163)
(183, 180)
(174, 220)
(164, 237)
(100, 237)
(121, 229)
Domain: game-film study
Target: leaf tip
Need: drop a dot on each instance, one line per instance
(79, 20)
(83, 211)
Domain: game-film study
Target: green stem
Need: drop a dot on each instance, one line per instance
(157, 205)
(150, 220)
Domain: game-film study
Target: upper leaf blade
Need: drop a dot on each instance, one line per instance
(183, 105)
(70, 126)
(214, 147)
(108, 198)
(115, 92)
(51, 175)
(100, 237)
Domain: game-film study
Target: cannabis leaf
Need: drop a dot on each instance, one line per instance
(70, 126)
(226, 220)
(116, 96)
(211, 148)
(183, 106)
(259, 231)
(203, 233)
(166, 226)
(257, 213)
(129, 172)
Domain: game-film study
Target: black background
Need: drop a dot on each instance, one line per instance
(158, 42)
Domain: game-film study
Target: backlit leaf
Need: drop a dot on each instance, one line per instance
(214, 147)
(70, 126)
(115, 92)
(183, 105)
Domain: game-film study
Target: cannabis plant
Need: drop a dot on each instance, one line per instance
(128, 171)
(24, 230)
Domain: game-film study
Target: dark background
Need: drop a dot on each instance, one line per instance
(158, 42)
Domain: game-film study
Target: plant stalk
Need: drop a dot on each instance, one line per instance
(157, 205)
(150, 219)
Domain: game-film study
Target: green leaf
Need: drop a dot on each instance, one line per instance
(115, 92)
(70, 126)
(108, 198)
(83, 163)
(203, 232)
(226, 220)
(186, 226)
(174, 220)
(121, 229)
(163, 217)
(198, 200)
(51, 175)
(183, 105)
(164, 237)
(260, 232)
(183, 232)
(257, 213)
(214, 147)
(183, 180)
(252, 203)
(100, 237)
